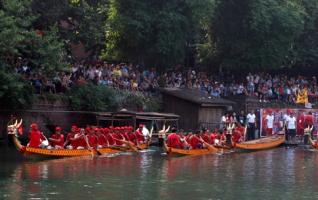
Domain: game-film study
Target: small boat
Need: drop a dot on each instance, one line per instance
(262, 143)
(182, 152)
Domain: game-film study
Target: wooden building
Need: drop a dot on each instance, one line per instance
(196, 109)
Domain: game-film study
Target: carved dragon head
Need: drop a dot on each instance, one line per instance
(13, 128)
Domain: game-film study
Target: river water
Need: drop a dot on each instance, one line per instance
(273, 174)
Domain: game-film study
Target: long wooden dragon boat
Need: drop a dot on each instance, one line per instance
(56, 153)
(262, 143)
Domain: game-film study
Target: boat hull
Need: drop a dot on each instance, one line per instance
(187, 152)
(39, 153)
(260, 144)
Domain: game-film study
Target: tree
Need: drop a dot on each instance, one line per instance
(20, 39)
(153, 32)
(307, 52)
(257, 34)
(79, 21)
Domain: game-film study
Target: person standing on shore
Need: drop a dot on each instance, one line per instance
(269, 123)
(251, 125)
(291, 127)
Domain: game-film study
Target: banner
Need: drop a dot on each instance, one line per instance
(301, 116)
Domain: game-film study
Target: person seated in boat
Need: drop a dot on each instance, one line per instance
(139, 135)
(109, 136)
(92, 138)
(56, 139)
(36, 137)
(101, 139)
(214, 136)
(205, 136)
(195, 141)
(118, 137)
(132, 135)
(80, 140)
(183, 139)
(70, 137)
(174, 140)
(238, 134)
(221, 139)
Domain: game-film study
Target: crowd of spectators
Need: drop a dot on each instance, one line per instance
(264, 86)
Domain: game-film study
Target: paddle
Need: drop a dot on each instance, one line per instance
(131, 145)
(209, 147)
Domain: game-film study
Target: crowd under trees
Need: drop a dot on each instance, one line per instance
(213, 34)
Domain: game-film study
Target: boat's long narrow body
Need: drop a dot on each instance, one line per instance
(55, 153)
(262, 143)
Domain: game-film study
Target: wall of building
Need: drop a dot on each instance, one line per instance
(210, 117)
(187, 111)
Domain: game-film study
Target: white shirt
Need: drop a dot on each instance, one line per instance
(270, 121)
(291, 122)
(250, 118)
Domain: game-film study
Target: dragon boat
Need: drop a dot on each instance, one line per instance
(59, 153)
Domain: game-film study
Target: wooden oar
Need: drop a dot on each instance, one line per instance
(209, 147)
(131, 145)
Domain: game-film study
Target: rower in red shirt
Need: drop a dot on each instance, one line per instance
(101, 139)
(80, 140)
(70, 137)
(132, 135)
(118, 137)
(195, 141)
(205, 136)
(238, 133)
(92, 138)
(174, 140)
(109, 136)
(139, 135)
(57, 139)
(35, 136)
(213, 136)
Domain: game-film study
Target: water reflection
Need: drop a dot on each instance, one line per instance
(273, 174)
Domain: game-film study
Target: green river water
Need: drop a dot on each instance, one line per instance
(273, 174)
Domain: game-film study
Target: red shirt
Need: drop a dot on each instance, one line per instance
(206, 138)
(213, 136)
(309, 120)
(59, 137)
(174, 141)
(101, 140)
(80, 142)
(139, 136)
(110, 139)
(35, 139)
(118, 136)
(194, 141)
(133, 138)
(92, 140)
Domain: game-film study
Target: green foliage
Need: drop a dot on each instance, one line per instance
(153, 32)
(19, 38)
(80, 21)
(100, 98)
(14, 92)
(258, 33)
